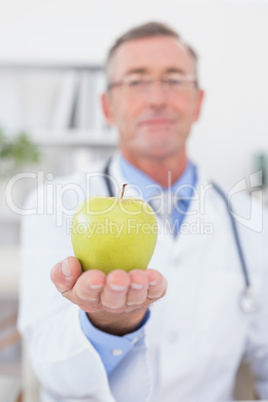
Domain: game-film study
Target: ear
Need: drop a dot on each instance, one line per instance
(199, 101)
(106, 108)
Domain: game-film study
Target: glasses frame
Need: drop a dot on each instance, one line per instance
(187, 78)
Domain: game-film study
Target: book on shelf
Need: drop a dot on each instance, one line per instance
(65, 102)
(78, 103)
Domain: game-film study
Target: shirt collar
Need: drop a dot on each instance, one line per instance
(148, 188)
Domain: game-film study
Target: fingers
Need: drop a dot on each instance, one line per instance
(89, 286)
(94, 291)
(65, 274)
(138, 288)
(115, 291)
(86, 291)
(157, 284)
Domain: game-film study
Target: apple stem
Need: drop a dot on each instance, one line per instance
(123, 191)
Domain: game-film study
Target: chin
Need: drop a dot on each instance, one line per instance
(155, 144)
(159, 152)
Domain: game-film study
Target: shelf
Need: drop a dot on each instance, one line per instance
(49, 66)
(73, 138)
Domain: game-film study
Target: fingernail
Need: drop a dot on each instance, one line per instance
(152, 283)
(96, 286)
(136, 286)
(117, 287)
(65, 268)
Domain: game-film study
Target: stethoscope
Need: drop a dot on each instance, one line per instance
(247, 300)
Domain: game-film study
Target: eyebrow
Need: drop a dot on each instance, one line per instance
(143, 70)
(140, 70)
(175, 70)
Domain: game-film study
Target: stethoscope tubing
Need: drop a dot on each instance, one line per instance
(235, 232)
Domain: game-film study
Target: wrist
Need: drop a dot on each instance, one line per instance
(117, 323)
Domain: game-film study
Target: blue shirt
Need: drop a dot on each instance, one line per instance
(182, 189)
(111, 348)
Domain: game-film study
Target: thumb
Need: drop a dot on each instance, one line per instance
(65, 274)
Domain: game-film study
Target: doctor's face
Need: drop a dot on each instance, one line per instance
(153, 98)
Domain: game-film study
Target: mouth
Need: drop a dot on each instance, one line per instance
(157, 122)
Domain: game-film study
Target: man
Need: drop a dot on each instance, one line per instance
(126, 336)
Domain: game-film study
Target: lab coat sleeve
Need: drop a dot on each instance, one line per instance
(257, 342)
(67, 365)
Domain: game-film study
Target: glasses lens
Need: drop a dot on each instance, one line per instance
(139, 84)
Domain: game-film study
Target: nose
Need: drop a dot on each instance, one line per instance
(156, 95)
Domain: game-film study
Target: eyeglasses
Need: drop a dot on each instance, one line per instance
(139, 85)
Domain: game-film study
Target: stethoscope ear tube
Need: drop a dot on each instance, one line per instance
(247, 300)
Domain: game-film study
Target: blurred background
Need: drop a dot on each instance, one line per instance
(51, 55)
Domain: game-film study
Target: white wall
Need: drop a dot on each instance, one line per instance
(230, 36)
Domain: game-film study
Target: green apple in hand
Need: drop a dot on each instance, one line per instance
(114, 233)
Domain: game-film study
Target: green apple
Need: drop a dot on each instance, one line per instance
(114, 233)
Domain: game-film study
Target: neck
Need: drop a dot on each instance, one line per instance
(158, 168)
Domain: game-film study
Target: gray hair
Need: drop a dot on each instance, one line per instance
(148, 30)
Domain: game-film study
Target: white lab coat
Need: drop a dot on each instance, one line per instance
(197, 334)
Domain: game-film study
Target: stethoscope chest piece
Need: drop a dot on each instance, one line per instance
(248, 301)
